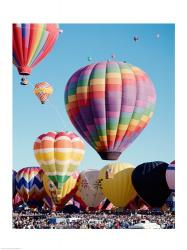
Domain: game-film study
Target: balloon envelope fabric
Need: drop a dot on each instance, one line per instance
(110, 103)
(116, 185)
(63, 194)
(170, 176)
(14, 191)
(31, 43)
(150, 183)
(59, 154)
(29, 185)
(88, 188)
(43, 90)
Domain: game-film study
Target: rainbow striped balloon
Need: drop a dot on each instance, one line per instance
(31, 43)
(43, 90)
(59, 154)
(110, 103)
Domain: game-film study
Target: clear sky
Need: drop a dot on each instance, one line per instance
(156, 56)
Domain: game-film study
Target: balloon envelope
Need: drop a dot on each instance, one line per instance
(59, 154)
(14, 191)
(150, 183)
(43, 90)
(62, 195)
(29, 185)
(88, 188)
(116, 185)
(31, 43)
(110, 103)
(170, 176)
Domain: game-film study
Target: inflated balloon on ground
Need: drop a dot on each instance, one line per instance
(61, 196)
(170, 176)
(150, 183)
(116, 185)
(88, 188)
(59, 155)
(29, 185)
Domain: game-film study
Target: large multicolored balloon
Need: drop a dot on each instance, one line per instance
(14, 191)
(89, 188)
(110, 103)
(170, 176)
(43, 90)
(63, 194)
(29, 184)
(150, 183)
(59, 154)
(31, 43)
(116, 185)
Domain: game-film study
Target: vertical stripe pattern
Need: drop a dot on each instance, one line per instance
(31, 43)
(110, 103)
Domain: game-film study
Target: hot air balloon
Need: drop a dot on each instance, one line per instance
(89, 58)
(136, 38)
(116, 185)
(170, 176)
(30, 187)
(59, 154)
(14, 191)
(150, 183)
(43, 90)
(110, 103)
(17, 201)
(31, 43)
(88, 187)
(61, 196)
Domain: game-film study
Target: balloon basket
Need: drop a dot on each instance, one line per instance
(109, 155)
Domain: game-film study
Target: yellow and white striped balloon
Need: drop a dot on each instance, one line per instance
(59, 154)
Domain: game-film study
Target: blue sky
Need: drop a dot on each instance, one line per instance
(77, 42)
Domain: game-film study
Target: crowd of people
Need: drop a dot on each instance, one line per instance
(91, 220)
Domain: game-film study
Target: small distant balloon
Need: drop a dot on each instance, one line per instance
(136, 38)
(89, 58)
(113, 56)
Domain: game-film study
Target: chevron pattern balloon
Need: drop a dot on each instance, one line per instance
(31, 43)
(29, 184)
(14, 191)
(110, 103)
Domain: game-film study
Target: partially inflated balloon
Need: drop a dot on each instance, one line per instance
(31, 43)
(65, 193)
(150, 182)
(59, 154)
(170, 176)
(29, 185)
(43, 90)
(110, 103)
(88, 187)
(17, 201)
(116, 185)
(14, 191)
